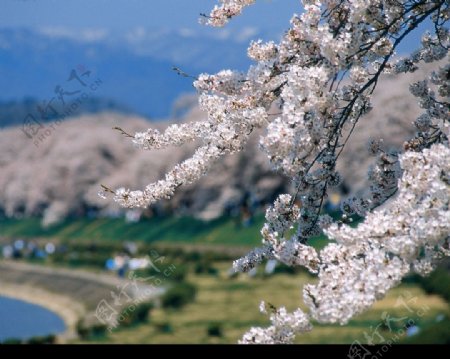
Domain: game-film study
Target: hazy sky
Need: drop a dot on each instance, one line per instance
(271, 17)
(122, 15)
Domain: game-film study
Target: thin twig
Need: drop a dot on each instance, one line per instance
(123, 132)
(107, 189)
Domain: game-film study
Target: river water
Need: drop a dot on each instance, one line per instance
(23, 320)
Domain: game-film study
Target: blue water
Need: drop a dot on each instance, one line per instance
(22, 320)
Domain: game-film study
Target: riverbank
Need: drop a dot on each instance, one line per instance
(73, 294)
(69, 310)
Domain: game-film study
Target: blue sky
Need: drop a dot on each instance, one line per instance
(270, 17)
(122, 15)
(111, 20)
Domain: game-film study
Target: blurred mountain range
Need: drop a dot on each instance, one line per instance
(57, 170)
(14, 113)
(135, 67)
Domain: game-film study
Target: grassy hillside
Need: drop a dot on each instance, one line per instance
(222, 231)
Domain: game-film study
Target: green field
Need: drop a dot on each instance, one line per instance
(223, 231)
(224, 307)
(232, 305)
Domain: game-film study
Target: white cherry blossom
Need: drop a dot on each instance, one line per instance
(308, 92)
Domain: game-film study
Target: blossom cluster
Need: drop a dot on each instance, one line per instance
(408, 235)
(363, 263)
(220, 15)
(283, 329)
